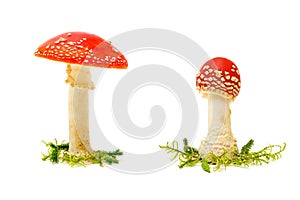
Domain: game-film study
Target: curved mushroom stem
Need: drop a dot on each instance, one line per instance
(219, 135)
(80, 82)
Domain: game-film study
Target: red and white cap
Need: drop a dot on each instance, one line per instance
(219, 76)
(83, 49)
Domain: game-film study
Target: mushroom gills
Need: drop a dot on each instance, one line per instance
(219, 135)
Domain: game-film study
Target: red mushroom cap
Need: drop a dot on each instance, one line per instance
(83, 49)
(219, 76)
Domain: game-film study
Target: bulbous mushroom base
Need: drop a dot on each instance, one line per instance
(76, 147)
(217, 143)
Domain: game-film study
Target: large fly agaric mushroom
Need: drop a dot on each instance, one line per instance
(219, 81)
(80, 50)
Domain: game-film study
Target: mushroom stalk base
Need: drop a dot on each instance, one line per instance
(219, 135)
(80, 83)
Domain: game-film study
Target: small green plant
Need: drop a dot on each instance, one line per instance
(58, 153)
(189, 156)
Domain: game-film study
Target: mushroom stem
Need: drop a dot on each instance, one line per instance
(219, 135)
(79, 78)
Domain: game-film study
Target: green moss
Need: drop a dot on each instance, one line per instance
(59, 153)
(190, 156)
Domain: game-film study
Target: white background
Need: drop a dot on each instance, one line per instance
(261, 37)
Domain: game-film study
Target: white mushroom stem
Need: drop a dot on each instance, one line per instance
(79, 78)
(219, 135)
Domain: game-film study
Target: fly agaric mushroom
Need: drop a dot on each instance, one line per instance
(219, 81)
(80, 50)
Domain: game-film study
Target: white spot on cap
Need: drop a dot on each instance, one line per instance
(69, 34)
(228, 77)
(60, 40)
(115, 50)
(236, 87)
(206, 67)
(218, 73)
(234, 79)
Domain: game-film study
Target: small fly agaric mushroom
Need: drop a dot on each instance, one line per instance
(81, 50)
(219, 81)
